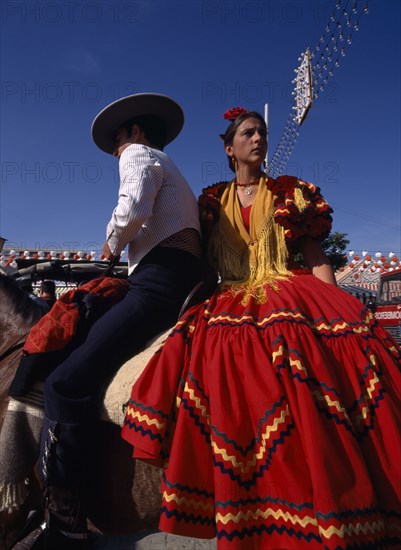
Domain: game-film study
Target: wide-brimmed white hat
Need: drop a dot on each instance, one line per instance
(117, 113)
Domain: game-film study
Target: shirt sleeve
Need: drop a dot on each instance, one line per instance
(141, 177)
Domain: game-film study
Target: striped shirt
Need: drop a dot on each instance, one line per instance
(154, 202)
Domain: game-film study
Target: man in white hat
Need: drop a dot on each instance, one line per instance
(157, 218)
(155, 201)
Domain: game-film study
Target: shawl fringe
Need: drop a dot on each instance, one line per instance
(248, 267)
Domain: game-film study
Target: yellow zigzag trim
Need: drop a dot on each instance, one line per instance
(257, 323)
(276, 514)
(372, 386)
(363, 415)
(283, 210)
(189, 503)
(244, 467)
(278, 353)
(341, 326)
(178, 324)
(334, 329)
(197, 401)
(331, 403)
(338, 406)
(145, 418)
(318, 327)
(351, 529)
(297, 363)
(360, 330)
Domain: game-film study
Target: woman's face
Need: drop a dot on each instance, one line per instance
(249, 146)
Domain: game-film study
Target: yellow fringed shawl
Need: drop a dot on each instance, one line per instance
(246, 261)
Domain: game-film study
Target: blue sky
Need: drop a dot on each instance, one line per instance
(62, 62)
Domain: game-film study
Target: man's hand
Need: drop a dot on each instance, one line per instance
(108, 254)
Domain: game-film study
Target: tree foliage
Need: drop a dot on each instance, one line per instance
(334, 246)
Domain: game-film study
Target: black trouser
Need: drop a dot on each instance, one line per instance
(74, 390)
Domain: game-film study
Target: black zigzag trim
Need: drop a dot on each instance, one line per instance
(259, 529)
(188, 518)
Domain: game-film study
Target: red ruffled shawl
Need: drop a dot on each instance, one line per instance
(313, 220)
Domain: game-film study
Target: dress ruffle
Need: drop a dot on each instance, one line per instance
(313, 219)
(278, 424)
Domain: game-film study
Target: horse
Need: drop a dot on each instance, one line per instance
(127, 499)
(18, 313)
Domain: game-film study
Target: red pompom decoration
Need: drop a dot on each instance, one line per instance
(235, 112)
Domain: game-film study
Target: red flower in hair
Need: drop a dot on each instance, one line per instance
(235, 112)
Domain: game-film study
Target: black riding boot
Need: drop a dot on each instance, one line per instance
(65, 524)
(64, 527)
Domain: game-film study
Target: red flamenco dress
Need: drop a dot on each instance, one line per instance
(276, 420)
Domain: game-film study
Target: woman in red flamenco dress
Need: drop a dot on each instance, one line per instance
(274, 406)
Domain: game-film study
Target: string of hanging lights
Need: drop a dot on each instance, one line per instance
(315, 70)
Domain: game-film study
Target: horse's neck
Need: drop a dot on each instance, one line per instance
(18, 313)
(13, 332)
(12, 329)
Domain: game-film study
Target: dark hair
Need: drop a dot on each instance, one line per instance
(228, 136)
(48, 286)
(153, 127)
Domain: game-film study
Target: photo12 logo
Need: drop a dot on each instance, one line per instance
(71, 12)
(67, 92)
(267, 11)
(225, 92)
(66, 172)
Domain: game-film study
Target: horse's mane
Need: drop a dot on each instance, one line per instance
(17, 301)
